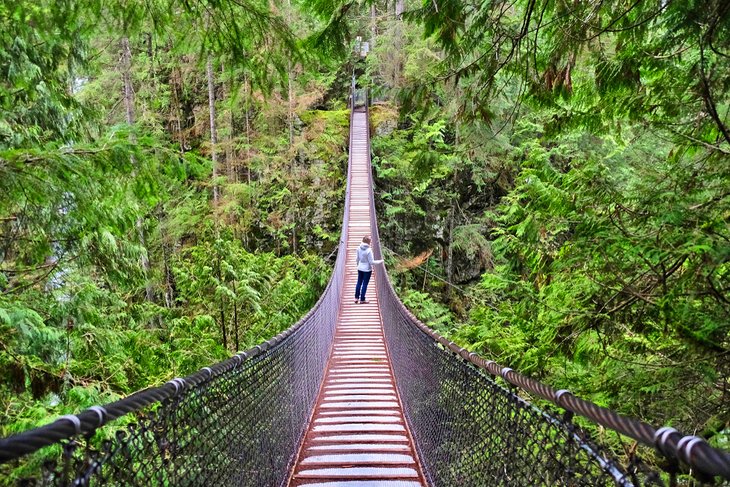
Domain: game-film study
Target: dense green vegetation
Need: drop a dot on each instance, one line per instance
(127, 257)
(565, 165)
(552, 184)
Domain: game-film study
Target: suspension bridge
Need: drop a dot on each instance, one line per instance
(355, 395)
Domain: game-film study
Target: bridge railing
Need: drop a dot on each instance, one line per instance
(470, 429)
(239, 422)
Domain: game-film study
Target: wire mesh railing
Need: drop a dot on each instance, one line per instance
(238, 422)
(471, 430)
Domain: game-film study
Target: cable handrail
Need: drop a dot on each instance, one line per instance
(297, 357)
(704, 460)
(467, 428)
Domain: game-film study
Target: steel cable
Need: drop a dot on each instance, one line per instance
(241, 421)
(430, 369)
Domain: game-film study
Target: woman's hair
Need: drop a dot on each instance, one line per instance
(366, 239)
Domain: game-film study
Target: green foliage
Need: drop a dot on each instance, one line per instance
(604, 264)
(596, 64)
(567, 163)
(40, 51)
(471, 241)
(559, 168)
(116, 271)
(432, 313)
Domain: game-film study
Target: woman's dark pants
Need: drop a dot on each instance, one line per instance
(363, 278)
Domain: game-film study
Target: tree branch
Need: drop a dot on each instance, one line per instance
(707, 96)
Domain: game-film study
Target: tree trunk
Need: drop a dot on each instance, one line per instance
(425, 274)
(223, 324)
(235, 316)
(450, 250)
(290, 74)
(169, 278)
(231, 168)
(127, 80)
(221, 304)
(129, 115)
(373, 24)
(400, 7)
(294, 234)
(213, 133)
(151, 56)
(247, 89)
(228, 163)
(177, 114)
(291, 105)
(452, 218)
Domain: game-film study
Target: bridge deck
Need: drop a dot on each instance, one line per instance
(358, 436)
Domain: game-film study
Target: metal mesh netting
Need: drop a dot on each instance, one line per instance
(241, 427)
(469, 430)
(239, 422)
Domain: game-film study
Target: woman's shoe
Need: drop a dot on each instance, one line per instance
(364, 302)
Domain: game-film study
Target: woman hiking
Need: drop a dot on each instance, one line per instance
(365, 262)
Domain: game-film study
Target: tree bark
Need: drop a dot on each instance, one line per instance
(213, 133)
(247, 89)
(231, 168)
(291, 105)
(222, 310)
(127, 80)
(169, 278)
(290, 74)
(177, 113)
(373, 25)
(235, 315)
(450, 250)
(452, 218)
(294, 234)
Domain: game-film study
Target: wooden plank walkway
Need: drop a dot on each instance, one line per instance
(358, 436)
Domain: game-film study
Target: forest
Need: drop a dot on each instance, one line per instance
(552, 180)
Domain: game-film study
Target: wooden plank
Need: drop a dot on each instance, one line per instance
(358, 435)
